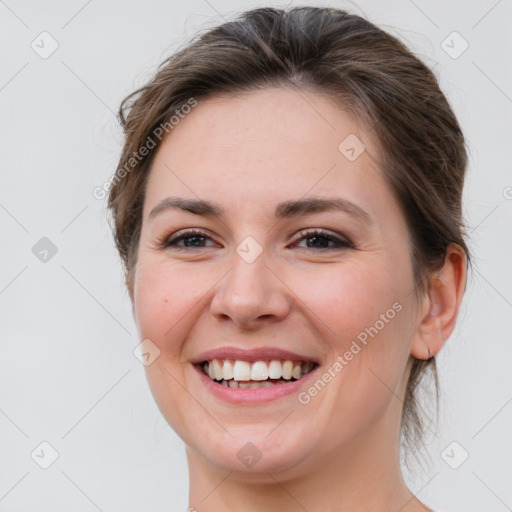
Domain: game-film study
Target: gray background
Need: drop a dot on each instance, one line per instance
(67, 372)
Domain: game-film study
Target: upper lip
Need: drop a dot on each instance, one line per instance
(251, 355)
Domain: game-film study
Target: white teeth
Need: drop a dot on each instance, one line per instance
(242, 370)
(250, 385)
(259, 371)
(217, 370)
(274, 369)
(211, 371)
(287, 370)
(257, 374)
(227, 370)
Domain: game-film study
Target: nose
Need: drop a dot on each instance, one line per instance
(251, 295)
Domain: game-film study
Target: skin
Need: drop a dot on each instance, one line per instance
(247, 153)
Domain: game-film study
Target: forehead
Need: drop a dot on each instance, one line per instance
(269, 145)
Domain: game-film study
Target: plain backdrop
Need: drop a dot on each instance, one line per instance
(68, 376)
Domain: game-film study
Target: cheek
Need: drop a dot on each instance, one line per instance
(169, 298)
(164, 299)
(361, 309)
(364, 314)
(348, 299)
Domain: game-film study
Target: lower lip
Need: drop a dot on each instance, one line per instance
(253, 395)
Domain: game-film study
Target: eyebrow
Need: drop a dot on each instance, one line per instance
(284, 210)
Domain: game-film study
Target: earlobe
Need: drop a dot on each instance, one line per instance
(441, 306)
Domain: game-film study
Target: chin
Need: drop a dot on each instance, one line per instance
(253, 452)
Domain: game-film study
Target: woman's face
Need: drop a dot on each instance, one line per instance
(248, 287)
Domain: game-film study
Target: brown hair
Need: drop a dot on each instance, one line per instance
(365, 70)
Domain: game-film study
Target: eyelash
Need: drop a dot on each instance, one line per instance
(169, 242)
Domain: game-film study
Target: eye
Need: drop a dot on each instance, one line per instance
(321, 238)
(196, 239)
(191, 238)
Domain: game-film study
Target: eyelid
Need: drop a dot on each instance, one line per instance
(166, 240)
(340, 241)
(310, 232)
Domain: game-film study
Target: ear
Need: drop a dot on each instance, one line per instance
(440, 306)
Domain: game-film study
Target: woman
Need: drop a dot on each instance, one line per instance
(288, 210)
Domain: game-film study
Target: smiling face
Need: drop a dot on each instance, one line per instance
(248, 277)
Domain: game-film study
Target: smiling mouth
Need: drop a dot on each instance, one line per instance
(258, 374)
